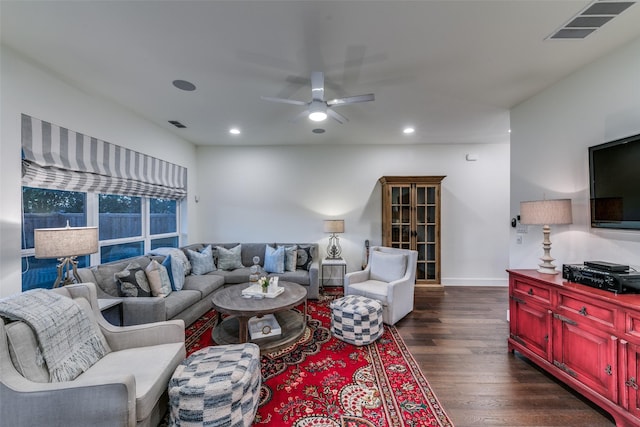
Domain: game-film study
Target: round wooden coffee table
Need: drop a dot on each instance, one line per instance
(234, 328)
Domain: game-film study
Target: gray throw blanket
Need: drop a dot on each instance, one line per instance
(67, 339)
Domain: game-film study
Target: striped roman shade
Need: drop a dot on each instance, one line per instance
(60, 159)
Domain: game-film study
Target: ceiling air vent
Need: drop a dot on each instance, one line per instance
(590, 19)
(177, 124)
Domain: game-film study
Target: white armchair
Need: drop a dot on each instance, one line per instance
(390, 277)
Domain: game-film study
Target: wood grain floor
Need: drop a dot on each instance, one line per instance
(458, 336)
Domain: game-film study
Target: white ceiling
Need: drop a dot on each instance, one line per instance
(451, 68)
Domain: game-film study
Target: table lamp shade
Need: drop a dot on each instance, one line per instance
(65, 242)
(546, 212)
(334, 225)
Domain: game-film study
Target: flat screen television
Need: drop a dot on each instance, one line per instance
(614, 175)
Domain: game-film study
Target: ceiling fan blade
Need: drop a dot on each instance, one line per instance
(317, 85)
(283, 100)
(351, 100)
(305, 113)
(337, 117)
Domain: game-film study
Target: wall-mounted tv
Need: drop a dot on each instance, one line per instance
(614, 175)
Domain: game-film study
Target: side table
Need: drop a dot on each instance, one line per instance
(112, 310)
(332, 264)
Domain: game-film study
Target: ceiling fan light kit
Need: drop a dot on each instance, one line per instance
(318, 109)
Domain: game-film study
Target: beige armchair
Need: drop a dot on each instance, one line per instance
(126, 387)
(390, 277)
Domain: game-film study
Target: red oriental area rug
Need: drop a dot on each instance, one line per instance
(322, 381)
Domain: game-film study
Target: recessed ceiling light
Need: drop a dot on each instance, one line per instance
(234, 131)
(184, 85)
(408, 130)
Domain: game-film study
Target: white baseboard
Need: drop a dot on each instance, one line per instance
(466, 281)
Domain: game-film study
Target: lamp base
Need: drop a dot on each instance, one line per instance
(547, 267)
(64, 279)
(548, 270)
(333, 249)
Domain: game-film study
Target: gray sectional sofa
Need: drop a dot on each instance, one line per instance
(194, 299)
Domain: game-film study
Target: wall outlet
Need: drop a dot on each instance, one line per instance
(519, 239)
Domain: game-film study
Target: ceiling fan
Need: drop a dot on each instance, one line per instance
(318, 109)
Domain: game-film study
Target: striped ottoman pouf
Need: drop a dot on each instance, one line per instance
(356, 319)
(216, 386)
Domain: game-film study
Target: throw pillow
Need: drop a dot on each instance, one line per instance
(175, 269)
(133, 281)
(274, 259)
(158, 279)
(201, 262)
(305, 257)
(387, 267)
(229, 259)
(290, 257)
(176, 253)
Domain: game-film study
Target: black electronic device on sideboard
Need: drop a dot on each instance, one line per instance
(603, 275)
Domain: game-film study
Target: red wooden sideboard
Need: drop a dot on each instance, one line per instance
(585, 337)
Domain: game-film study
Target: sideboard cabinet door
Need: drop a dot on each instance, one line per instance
(587, 354)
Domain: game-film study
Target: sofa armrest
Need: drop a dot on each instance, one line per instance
(314, 280)
(355, 277)
(95, 401)
(148, 334)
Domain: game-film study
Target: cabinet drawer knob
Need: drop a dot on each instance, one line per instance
(583, 311)
(631, 382)
(607, 370)
(530, 291)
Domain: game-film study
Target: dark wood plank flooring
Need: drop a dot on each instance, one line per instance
(458, 336)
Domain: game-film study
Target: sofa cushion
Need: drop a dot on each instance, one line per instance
(158, 279)
(177, 302)
(176, 254)
(106, 278)
(239, 275)
(305, 256)
(299, 276)
(290, 257)
(201, 262)
(387, 267)
(133, 281)
(229, 259)
(151, 366)
(249, 250)
(274, 259)
(204, 284)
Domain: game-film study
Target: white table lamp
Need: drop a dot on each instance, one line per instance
(545, 213)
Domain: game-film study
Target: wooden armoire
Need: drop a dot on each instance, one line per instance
(411, 220)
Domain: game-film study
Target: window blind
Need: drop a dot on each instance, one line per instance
(57, 158)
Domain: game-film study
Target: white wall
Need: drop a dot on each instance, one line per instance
(27, 88)
(282, 194)
(550, 136)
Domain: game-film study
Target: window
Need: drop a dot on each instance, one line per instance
(127, 226)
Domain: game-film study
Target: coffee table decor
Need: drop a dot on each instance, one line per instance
(264, 326)
(256, 291)
(235, 309)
